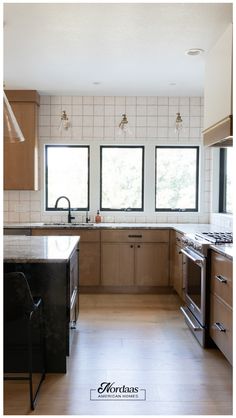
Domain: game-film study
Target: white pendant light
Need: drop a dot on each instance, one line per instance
(12, 131)
(178, 123)
(123, 126)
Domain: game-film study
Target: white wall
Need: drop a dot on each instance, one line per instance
(94, 121)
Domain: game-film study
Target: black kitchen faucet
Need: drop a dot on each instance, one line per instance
(69, 208)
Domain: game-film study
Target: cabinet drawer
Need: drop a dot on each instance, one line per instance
(135, 235)
(221, 277)
(221, 333)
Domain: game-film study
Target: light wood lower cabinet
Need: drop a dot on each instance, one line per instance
(117, 264)
(221, 314)
(221, 327)
(152, 264)
(176, 271)
(89, 252)
(127, 260)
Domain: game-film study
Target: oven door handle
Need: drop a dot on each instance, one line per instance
(194, 259)
(195, 328)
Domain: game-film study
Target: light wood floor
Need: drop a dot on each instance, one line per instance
(132, 340)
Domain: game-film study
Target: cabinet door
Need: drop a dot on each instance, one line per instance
(152, 264)
(177, 271)
(89, 265)
(21, 159)
(117, 264)
(221, 326)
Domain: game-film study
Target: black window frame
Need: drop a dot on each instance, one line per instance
(46, 176)
(223, 180)
(142, 197)
(197, 180)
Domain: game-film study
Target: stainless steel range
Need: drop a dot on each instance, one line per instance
(195, 270)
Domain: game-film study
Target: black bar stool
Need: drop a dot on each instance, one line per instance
(19, 304)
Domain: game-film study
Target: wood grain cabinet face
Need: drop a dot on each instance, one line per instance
(221, 317)
(221, 326)
(128, 260)
(152, 264)
(176, 271)
(21, 159)
(117, 264)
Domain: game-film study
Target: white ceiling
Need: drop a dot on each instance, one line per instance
(131, 49)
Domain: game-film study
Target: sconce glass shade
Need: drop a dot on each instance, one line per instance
(64, 121)
(12, 131)
(123, 126)
(178, 123)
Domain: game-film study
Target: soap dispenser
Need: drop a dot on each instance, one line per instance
(98, 217)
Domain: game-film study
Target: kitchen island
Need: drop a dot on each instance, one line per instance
(51, 268)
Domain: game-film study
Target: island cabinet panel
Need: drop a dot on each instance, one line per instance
(221, 303)
(49, 281)
(89, 263)
(21, 159)
(73, 266)
(136, 260)
(176, 263)
(117, 264)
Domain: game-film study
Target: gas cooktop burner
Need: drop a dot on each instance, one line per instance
(217, 237)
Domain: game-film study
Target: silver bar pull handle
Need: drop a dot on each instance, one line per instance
(221, 279)
(73, 298)
(194, 259)
(219, 326)
(189, 320)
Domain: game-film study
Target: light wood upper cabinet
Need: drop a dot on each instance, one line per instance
(21, 159)
(218, 90)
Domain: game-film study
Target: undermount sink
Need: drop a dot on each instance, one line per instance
(68, 224)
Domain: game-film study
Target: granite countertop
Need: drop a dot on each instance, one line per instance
(30, 249)
(225, 249)
(184, 228)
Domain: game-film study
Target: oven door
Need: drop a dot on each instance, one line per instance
(195, 283)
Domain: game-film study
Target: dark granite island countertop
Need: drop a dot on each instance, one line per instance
(50, 265)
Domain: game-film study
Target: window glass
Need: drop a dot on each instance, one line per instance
(67, 174)
(122, 178)
(177, 178)
(226, 178)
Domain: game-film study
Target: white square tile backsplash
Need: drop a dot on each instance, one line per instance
(152, 121)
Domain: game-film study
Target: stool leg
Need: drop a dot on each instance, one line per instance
(42, 343)
(30, 363)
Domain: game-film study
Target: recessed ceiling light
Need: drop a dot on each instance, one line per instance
(194, 51)
(96, 83)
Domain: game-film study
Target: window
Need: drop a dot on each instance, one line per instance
(67, 174)
(177, 173)
(122, 178)
(226, 175)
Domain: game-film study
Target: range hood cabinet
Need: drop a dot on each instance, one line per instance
(219, 135)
